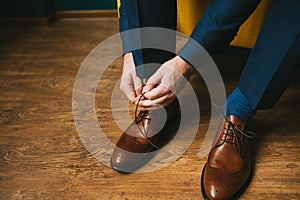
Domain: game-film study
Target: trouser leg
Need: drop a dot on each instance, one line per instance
(162, 14)
(272, 62)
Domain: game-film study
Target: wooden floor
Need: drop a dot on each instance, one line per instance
(42, 156)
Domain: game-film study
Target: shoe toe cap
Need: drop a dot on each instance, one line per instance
(124, 161)
(215, 186)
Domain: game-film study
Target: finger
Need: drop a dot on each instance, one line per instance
(138, 85)
(150, 108)
(157, 92)
(168, 102)
(131, 95)
(153, 81)
(128, 90)
(164, 100)
(155, 107)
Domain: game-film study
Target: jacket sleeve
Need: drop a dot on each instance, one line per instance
(124, 27)
(217, 27)
(123, 21)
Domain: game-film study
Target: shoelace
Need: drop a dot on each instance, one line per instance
(232, 130)
(140, 117)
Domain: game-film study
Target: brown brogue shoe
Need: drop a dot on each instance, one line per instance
(228, 170)
(138, 144)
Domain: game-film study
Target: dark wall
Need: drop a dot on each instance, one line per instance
(40, 8)
(22, 8)
(85, 4)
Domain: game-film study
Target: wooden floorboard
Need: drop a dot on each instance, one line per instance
(42, 156)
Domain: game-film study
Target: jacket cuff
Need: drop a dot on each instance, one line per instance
(192, 53)
(130, 41)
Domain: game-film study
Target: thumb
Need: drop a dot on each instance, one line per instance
(138, 85)
(153, 81)
(130, 95)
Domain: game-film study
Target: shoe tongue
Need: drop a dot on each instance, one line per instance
(142, 115)
(236, 120)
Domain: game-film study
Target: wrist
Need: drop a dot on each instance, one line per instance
(128, 62)
(185, 67)
(181, 61)
(127, 55)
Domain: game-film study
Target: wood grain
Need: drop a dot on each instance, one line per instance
(42, 156)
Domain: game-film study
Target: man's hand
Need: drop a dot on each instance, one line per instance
(163, 86)
(131, 85)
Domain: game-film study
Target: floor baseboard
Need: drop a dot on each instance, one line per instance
(86, 14)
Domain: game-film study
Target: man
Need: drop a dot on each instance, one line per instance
(265, 77)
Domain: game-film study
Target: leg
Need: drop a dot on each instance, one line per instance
(138, 144)
(156, 13)
(274, 57)
(238, 104)
(147, 13)
(265, 77)
(271, 63)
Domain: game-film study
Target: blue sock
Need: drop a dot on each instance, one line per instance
(238, 105)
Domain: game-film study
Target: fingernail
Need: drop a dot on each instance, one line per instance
(145, 89)
(143, 108)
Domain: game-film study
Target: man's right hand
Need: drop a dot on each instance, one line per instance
(131, 85)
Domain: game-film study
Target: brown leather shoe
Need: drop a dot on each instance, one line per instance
(148, 133)
(228, 170)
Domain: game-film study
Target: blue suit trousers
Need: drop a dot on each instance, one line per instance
(271, 63)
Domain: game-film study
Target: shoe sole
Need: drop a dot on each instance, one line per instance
(237, 194)
(128, 170)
